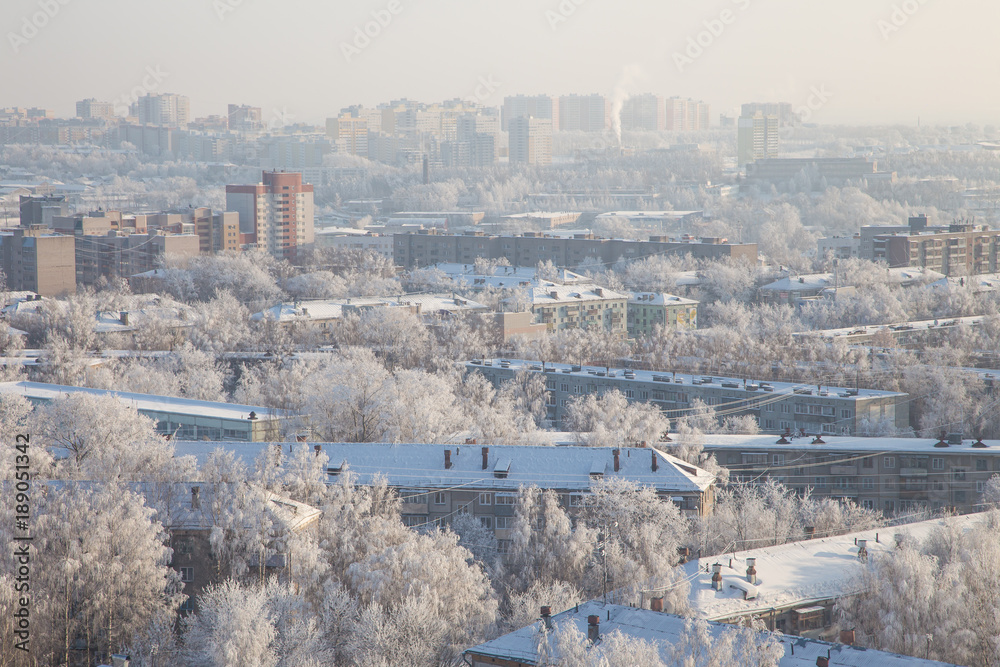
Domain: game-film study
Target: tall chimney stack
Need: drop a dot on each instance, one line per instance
(318, 449)
(486, 458)
(656, 604)
(593, 628)
(547, 617)
(752, 570)
(717, 576)
(447, 459)
(617, 453)
(195, 498)
(656, 463)
(847, 637)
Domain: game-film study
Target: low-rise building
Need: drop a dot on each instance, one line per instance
(886, 474)
(328, 312)
(544, 219)
(646, 311)
(436, 482)
(580, 306)
(794, 587)
(777, 406)
(180, 418)
(429, 246)
(596, 619)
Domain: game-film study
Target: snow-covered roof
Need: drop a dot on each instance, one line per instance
(422, 466)
(667, 630)
(468, 271)
(978, 283)
(804, 283)
(920, 325)
(836, 443)
(548, 293)
(799, 573)
(668, 378)
(659, 299)
(38, 391)
(650, 215)
(333, 309)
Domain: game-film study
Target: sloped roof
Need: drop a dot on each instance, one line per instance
(665, 630)
(422, 466)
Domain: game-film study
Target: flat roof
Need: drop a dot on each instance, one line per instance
(145, 402)
(798, 573)
(669, 379)
(836, 443)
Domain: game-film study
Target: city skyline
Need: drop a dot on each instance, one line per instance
(868, 65)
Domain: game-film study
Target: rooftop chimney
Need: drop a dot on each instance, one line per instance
(593, 628)
(486, 458)
(547, 617)
(301, 438)
(447, 459)
(617, 453)
(822, 661)
(752, 570)
(717, 576)
(195, 498)
(656, 464)
(863, 550)
(847, 637)
(318, 449)
(656, 604)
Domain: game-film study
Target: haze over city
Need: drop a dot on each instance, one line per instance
(883, 62)
(455, 333)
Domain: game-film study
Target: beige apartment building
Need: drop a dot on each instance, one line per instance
(36, 260)
(646, 311)
(579, 306)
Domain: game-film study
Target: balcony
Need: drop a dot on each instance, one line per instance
(844, 471)
(912, 472)
(413, 508)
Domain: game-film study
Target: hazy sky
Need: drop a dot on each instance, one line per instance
(930, 59)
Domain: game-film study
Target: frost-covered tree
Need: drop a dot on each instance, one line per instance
(611, 420)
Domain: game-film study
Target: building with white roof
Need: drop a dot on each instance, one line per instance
(544, 219)
(793, 587)
(354, 239)
(579, 306)
(182, 418)
(326, 311)
(777, 406)
(903, 333)
(436, 482)
(647, 310)
(886, 474)
(465, 276)
(597, 619)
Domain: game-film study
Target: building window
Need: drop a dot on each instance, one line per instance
(889, 462)
(845, 414)
(486, 522)
(868, 483)
(506, 498)
(980, 486)
(503, 522)
(439, 498)
(868, 462)
(937, 464)
(414, 521)
(981, 465)
(503, 546)
(187, 574)
(820, 482)
(576, 500)
(778, 459)
(485, 498)
(868, 504)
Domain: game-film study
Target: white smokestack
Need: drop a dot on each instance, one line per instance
(627, 80)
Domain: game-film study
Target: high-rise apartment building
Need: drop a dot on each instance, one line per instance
(276, 214)
(686, 115)
(163, 110)
(243, 118)
(35, 259)
(644, 113)
(530, 141)
(783, 110)
(530, 106)
(350, 134)
(584, 113)
(93, 110)
(757, 138)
